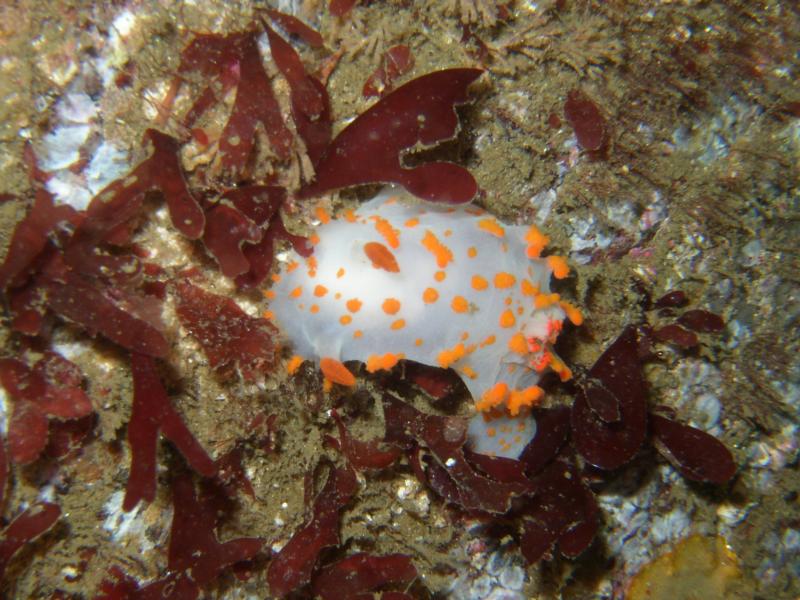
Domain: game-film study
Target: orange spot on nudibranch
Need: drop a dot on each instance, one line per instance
(559, 266)
(492, 397)
(488, 341)
(504, 280)
(314, 239)
(335, 371)
(398, 324)
(345, 319)
(439, 276)
(572, 312)
(518, 399)
(391, 306)
(292, 266)
(314, 308)
(350, 215)
(294, 364)
(376, 362)
(536, 242)
(381, 257)
(353, 305)
(518, 343)
(442, 253)
(322, 215)
(389, 233)
(447, 357)
(340, 273)
(459, 304)
(269, 294)
(545, 300)
(491, 225)
(412, 222)
(528, 289)
(507, 319)
(430, 295)
(479, 283)
(268, 314)
(296, 292)
(357, 334)
(320, 291)
(418, 342)
(472, 252)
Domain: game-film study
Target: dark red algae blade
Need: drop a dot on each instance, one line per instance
(448, 471)
(153, 412)
(228, 336)
(311, 108)
(695, 454)
(295, 27)
(226, 232)
(677, 335)
(122, 316)
(552, 430)
(362, 573)
(610, 445)
(25, 528)
(292, 567)
(193, 545)
(563, 510)
(702, 321)
(3, 469)
(361, 454)
(371, 148)
(30, 236)
(587, 121)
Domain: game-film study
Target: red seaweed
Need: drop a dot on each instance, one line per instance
(702, 321)
(50, 389)
(362, 573)
(311, 109)
(236, 58)
(610, 445)
(697, 455)
(371, 148)
(340, 8)
(361, 454)
(153, 412)
(563, 511)
(296, 28)
(294, 564)
(396, 61)
(193, 545)
(448, 471)
(122, 316)
(674, 299)
(677, 335)
(588, 122)
(30, 237)
(228, 336)
(226, 232)
(25, 528)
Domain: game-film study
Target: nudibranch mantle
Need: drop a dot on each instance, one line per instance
(444, 286)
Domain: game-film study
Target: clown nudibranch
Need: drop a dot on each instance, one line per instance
(445, 286)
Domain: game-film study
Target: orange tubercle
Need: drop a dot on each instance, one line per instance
(493, 397)
(389, 233)
(383, 363)
(381, 257)
(528, 397)
(353, 305)
(459, 304)
(479, 283)
(559, 266)
(504, 280)
(536, 242)
(491, 225)
(391, 306)
(442, 253)
(430, 295)
(294, 363)
(336, 372)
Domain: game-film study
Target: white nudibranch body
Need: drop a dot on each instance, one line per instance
(445, 286)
